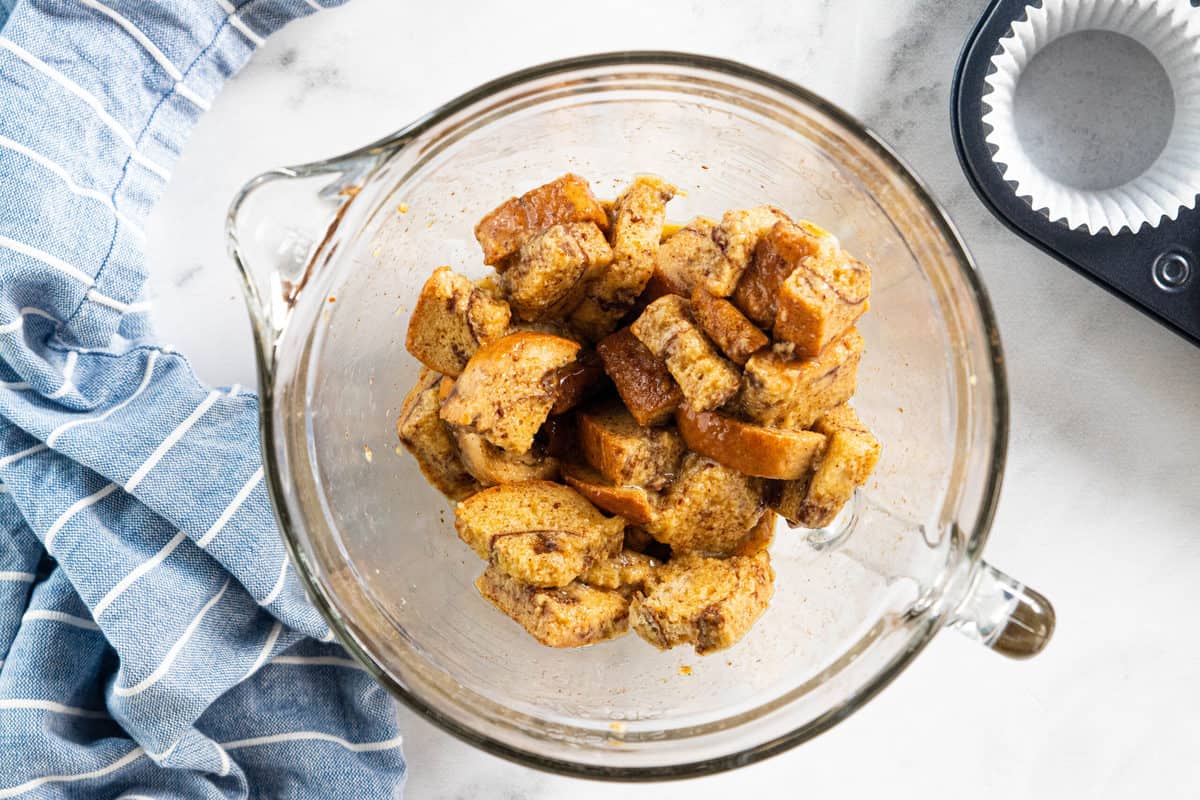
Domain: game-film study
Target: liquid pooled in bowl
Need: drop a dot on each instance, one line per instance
(623, 409)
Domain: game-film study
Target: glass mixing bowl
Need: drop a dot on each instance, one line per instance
(333, 255)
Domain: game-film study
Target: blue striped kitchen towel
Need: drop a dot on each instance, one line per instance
(154, 641)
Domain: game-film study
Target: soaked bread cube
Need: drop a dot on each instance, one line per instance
(626, 453)
(793, 393)
(571, 616)
(637, 222)
(518, 219)
(848, 461)
(550, 273)
(492, 466)
(508, 387)
(642, 379)
(685, 258)
(423, 434)
(633, 503)
(452, 318)
(626, 572)
(823, 297)
(748, 448)
(541, 533)
(776, 256)
(760, 537)
(710, 509)
(737, 336)
(706, 379)
(736, 237)
(708, 603)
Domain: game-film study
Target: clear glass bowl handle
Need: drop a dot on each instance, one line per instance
(279, 232)
(1004, 614)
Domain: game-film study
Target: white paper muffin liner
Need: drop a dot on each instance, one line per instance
(1168, 29)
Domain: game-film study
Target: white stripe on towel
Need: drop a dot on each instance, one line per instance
(315, 5)
(176, 649)
(15, 457)
(58, 616)
(50, 705)
(170, 441)
(272, 637)
(355, 747)
(16, 386)
(237, 22)
(231, 509)
(66, 426)
(47, 259)
(67, 373)
(89, 99)
(18, 577)
(278, 587)
(138, 572)
(128, 758)
(317, 661)
(75, 508)
(124, 308)
(73, 187)
(27, 311)
(225, 765)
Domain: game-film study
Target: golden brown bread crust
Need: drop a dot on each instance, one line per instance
(550, 273)
(793, 393)
(519, 219)
(748, 448)
(848, 461)
(452, 318)
(710, 509)
(508, 387)
(626, 453)
(822, 298)
(637, 221)
(685, 258)
(424, 435)
(776, 256)
(543, 534)
(642, 379)
(706, 379)
(737, 336)
(572, 616)
(705, 602)
(634, 503)
(492, 466)
(736, 237)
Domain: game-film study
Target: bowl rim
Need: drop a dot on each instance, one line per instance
(975, 541)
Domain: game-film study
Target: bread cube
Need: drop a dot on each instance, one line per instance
(706, 379)
(635, 504)
(518, 219)
(748, 448)
(452, 318)
(709, 509)
(572, 616)
(550, 273)
(642, 379)
(708, 603)
(736, 237)
(737, 336)
(626, 453)
(793, 393)
(508, 387)
(423, 434)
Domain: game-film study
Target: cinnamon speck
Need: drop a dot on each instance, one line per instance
(332, 299)
(685, 670)
(367, 454)
(402, 208)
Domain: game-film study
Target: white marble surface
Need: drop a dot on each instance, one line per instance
(1101, 506)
